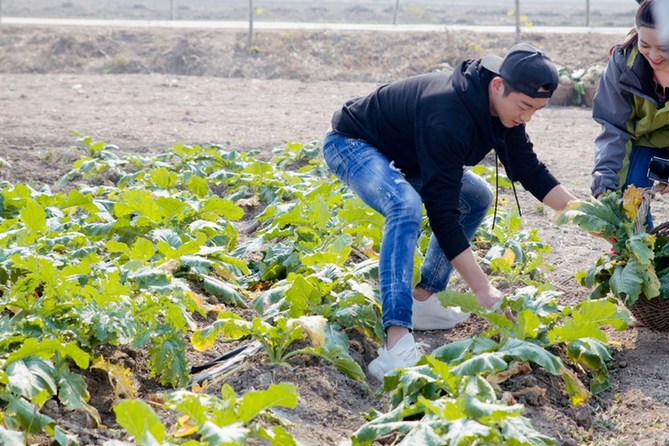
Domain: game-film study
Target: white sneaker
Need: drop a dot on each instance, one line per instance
(432, 315)
(403, 354)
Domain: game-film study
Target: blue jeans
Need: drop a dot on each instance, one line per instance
(637, 174)
(373, 177)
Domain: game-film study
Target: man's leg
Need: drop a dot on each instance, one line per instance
(384, 188)
(428, 313)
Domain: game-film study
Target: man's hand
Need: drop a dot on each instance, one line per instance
(489, 297)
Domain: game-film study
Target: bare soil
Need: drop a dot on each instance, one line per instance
(145, 90)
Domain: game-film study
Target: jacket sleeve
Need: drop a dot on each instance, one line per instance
(611, 108)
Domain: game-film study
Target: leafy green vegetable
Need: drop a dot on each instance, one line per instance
(631, 269)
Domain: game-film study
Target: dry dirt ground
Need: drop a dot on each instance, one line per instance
(146, 90)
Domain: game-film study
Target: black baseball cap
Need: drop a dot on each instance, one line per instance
(525, 69)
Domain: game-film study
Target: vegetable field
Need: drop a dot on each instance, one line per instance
(133, 261)
(124, 267)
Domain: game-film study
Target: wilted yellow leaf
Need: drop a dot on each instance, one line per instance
(195, 298)
(199, 388)
(534, 390)
(577, 391)
(314, 326)
(249, 202)
(632, 199)
(514, 369)
(508, 398)
(186, 427)
(120, 378)
(509, 256)
(170, 266)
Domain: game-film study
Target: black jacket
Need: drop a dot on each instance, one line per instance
(433, 125)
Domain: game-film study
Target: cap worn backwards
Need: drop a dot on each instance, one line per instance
(525, 69)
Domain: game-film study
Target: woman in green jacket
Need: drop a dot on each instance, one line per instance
(631, 105)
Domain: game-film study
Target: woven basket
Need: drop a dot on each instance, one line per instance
(653, 313)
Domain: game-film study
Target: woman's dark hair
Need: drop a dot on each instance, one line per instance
(644, 18)
(644, 14)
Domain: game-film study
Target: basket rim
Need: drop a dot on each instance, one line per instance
(662, 229)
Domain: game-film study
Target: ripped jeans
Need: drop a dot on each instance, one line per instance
(371, 175)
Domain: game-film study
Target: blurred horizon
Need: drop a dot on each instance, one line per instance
(603, 13)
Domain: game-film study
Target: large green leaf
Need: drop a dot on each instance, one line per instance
(72, 391)
(457, 351)
(163, 178)
(20, 414)
(588, 316)
(198, 186)
(489, 412)
(526, 351)
(230, 435)
(519, 431)
(139, 419)
(641, 247)
(627, 280)
(12, 438)
(596, 216)
(370, 431)
(255, 402)
(168, 359)
(34, 218)
(47, 348)
(150, 278)
(301, 295)
(602, 312)
(527, 324)
(33, 378)
(216, 207)
(62, 438)
(138, 202)
(410, 384)
(594, 355)
(464, 432)
(466, 301)
(202, 407)
(336, 253)
(651, 284)
(422, 435)
(336, 351)
(197, 264)
(228, 324)
(571, 330)
(223, 291)
(481, 364)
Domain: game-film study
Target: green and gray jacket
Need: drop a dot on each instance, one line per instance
(630, 113)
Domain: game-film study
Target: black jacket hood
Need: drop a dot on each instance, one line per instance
(470, 82)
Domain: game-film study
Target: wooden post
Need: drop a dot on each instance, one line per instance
(397, 6)
(250, 36)
(172, 9)
(517, 20)
(587, 12)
